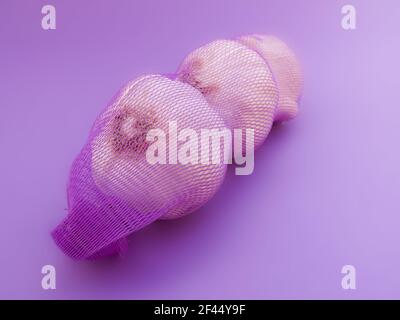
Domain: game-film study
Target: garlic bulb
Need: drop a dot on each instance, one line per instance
(237, 82)
(285, 68)
(120, 163)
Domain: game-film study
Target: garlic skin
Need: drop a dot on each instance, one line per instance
(119, 164)
(285, 68)
(237, 82)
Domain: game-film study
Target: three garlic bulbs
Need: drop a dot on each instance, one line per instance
(114, 189)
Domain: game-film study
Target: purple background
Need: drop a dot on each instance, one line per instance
(325, 191)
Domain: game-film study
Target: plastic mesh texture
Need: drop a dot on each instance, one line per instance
(286, 70)
(237, 82)
(114, 190)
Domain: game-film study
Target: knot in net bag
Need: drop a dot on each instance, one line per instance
(115, 190)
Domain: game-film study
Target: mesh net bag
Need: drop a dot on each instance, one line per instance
(237, 82)
(114, 190)
(285, 68)
(114, 187)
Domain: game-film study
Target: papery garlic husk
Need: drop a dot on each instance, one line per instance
(285, 68)
(119, 164)
(237, 82)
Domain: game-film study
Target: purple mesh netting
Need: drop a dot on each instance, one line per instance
(114, 190)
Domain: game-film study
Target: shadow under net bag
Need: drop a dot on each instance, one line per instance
(115, 190)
